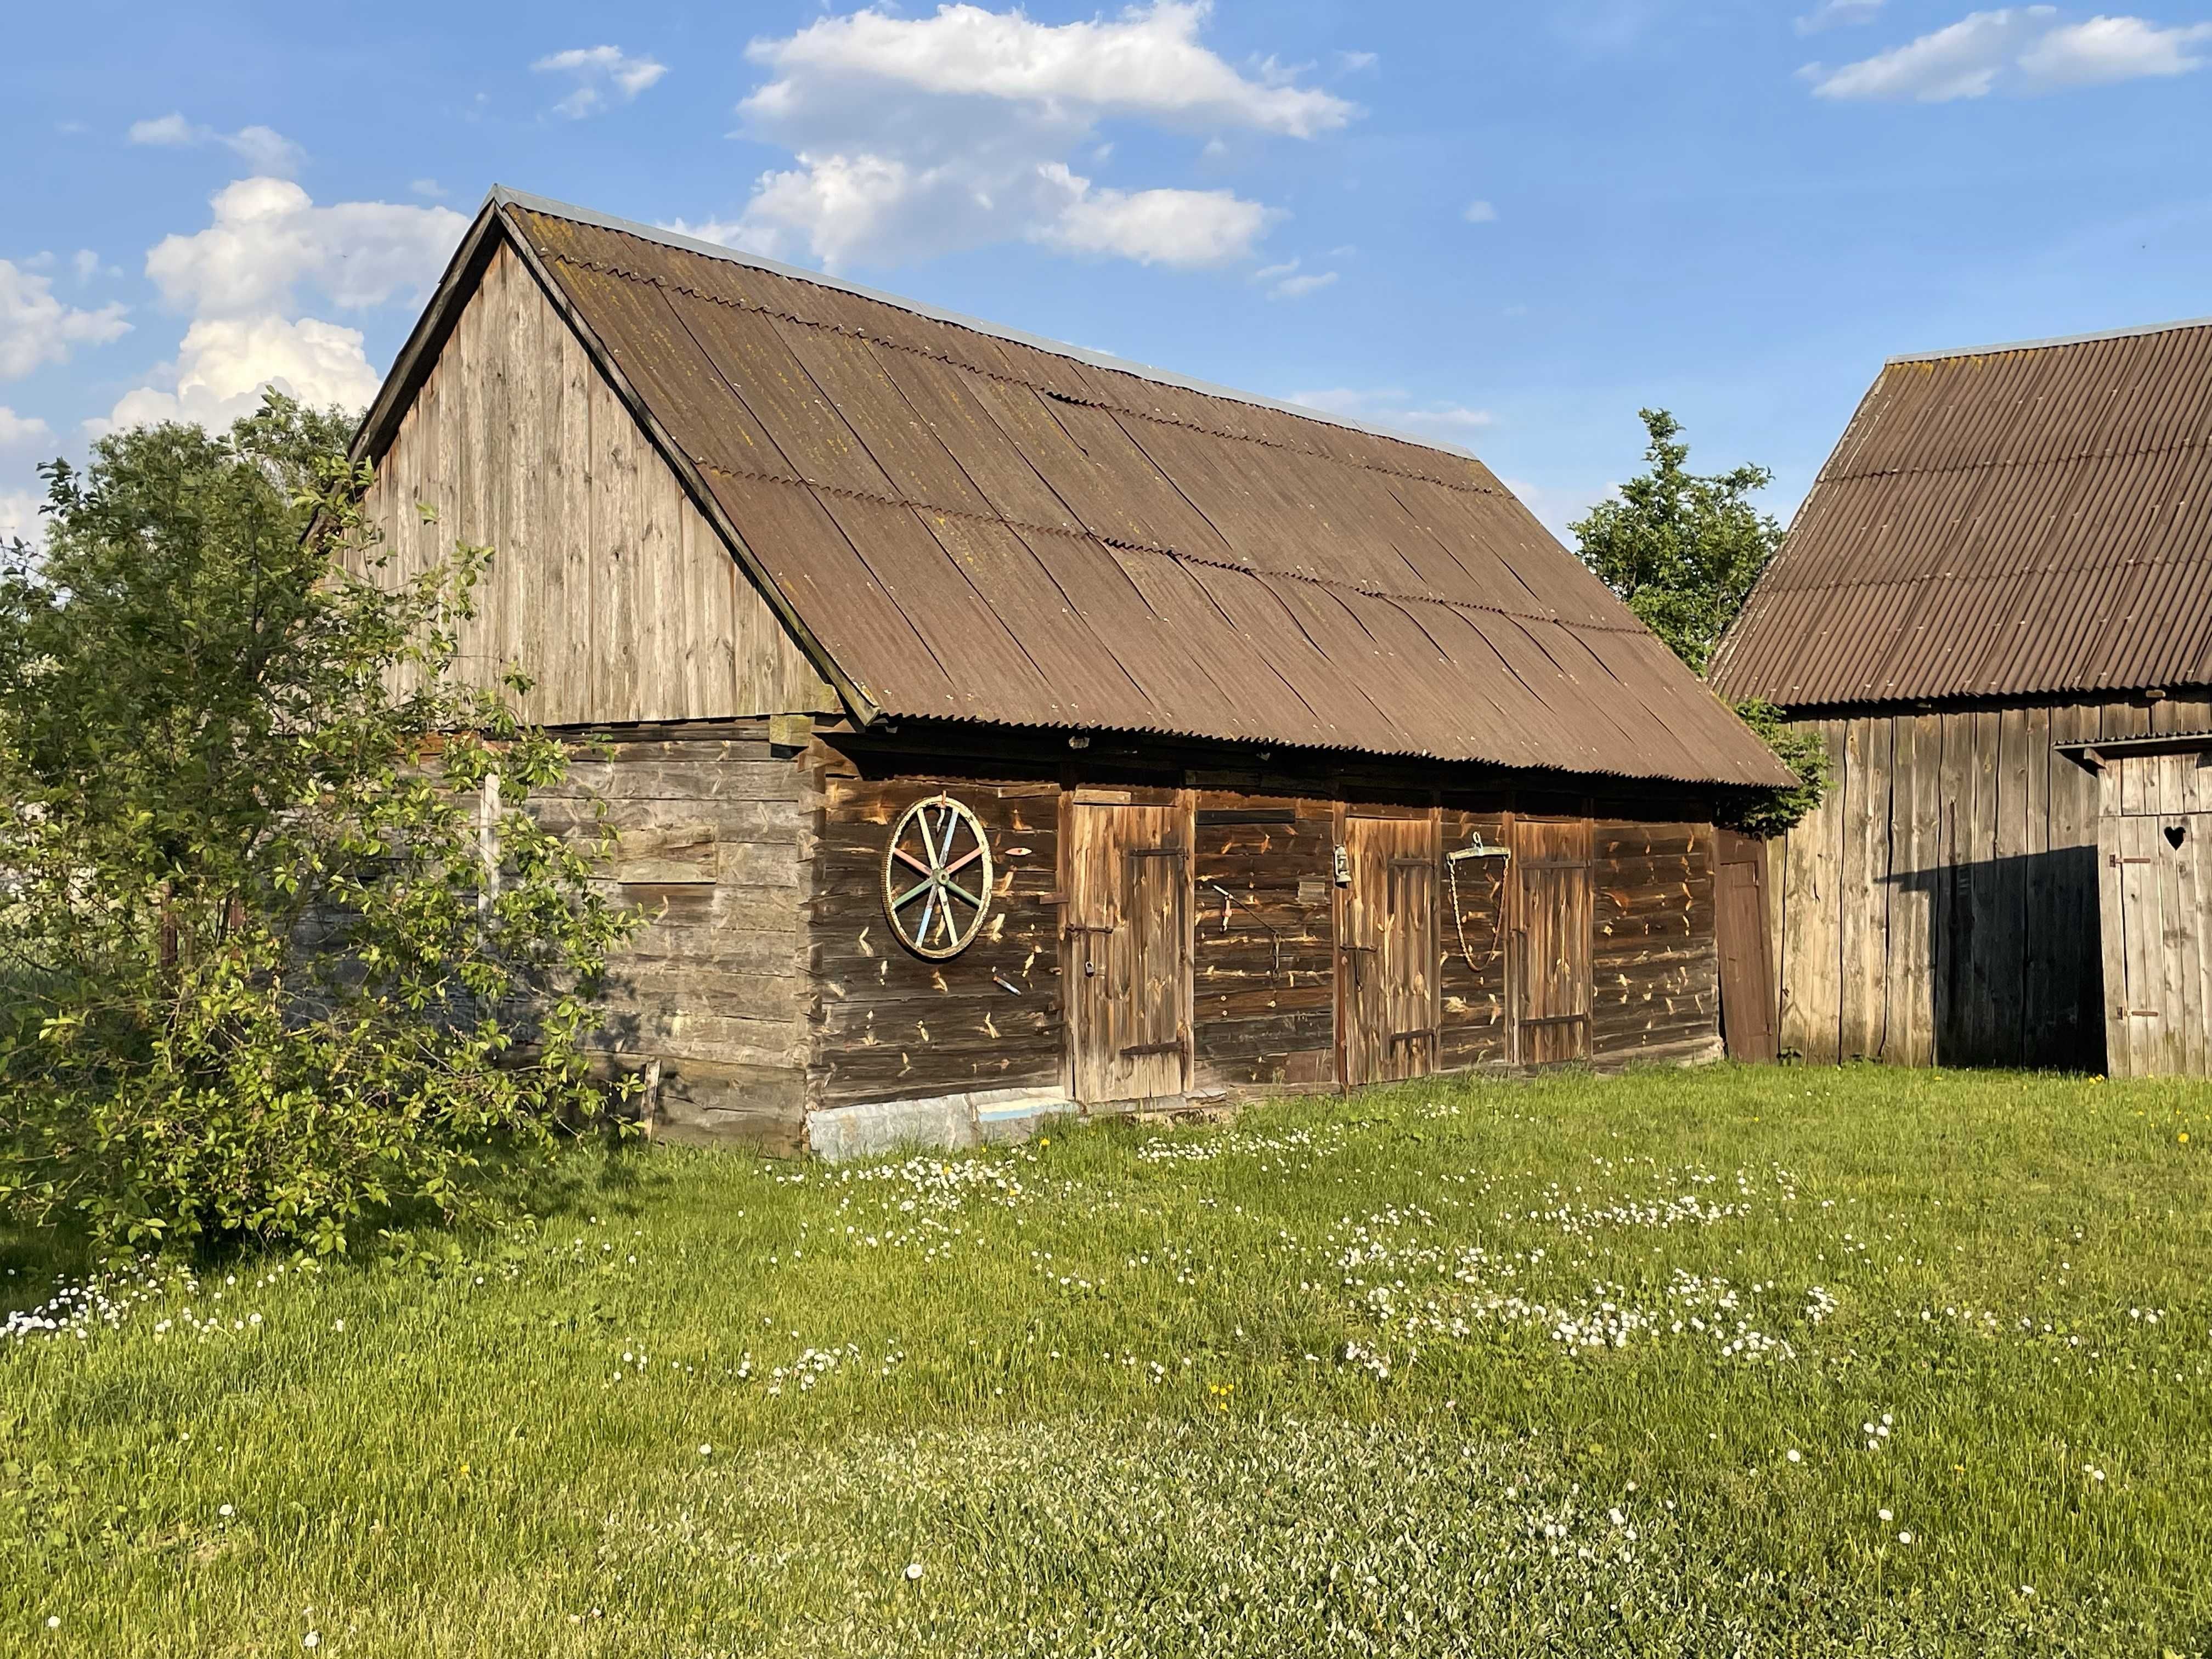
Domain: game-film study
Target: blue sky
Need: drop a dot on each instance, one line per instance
(1507, 227)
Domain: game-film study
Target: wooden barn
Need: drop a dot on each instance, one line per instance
(2008, 555)
(998, 729)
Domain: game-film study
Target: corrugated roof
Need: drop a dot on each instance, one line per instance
(973, 524)
(2022, 520)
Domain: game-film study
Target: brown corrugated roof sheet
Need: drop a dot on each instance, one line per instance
(2020, 521)
(977, 526)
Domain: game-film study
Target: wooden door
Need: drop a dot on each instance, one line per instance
(2156, 871)
(1741, 923)
(1386, 962)
(1127, 965)
(1551, 932)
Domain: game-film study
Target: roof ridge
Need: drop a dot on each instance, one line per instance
(505, 196)
(2047, 342)
(604, 269)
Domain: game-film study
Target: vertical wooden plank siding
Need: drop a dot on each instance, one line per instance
(1943, 906)
(1908, 1020)
(606, 584)
(1862, 891)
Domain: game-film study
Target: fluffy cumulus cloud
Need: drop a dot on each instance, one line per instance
(37, 329)
(2020, 49)
(16, 430)
(913, 136)
(224, 364)
(601, 77)
(19, 518)
(268, 238)
(261, 148)
(242, 279)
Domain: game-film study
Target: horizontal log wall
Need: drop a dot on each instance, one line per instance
(712, 839)
(1655, 969)
(1264, 961)
(1941, 907)
(889, 1024)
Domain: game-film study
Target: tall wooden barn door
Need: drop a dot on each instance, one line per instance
(1387, 962)
(1552, 861)
(1741, 929)
(1128, 952)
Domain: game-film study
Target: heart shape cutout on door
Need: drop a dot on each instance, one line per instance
(2175, 833)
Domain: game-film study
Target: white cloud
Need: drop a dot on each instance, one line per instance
(17, 429)
(916, 137)
(269, 238)
(19, 517)
(602, 74)
(1297, 288)
(1390, 406)
(1838, 14)
(37, 329)
(2021, 49)
(429, 189)
(1352, 62)
(1480, 213)
(1286, 281)
(241, 279)
(1960, 61)
(261, 148)
(1146, 63)
(86, 263)
(225, 364)
(1185, 228)
(2113, 49)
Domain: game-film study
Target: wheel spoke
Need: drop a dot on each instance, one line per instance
(905, 857)
(913, 892)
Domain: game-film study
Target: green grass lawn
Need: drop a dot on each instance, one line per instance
(1734, 1361)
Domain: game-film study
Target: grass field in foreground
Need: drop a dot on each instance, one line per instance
(1771, 1361)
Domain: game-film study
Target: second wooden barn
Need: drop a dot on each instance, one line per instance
(998, 729)
(2008, 555)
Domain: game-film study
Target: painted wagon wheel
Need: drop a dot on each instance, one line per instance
(937, 878)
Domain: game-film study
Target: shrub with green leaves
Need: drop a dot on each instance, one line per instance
(282, 952)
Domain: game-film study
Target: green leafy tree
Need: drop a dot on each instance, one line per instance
(282, 951)
(1682, 550)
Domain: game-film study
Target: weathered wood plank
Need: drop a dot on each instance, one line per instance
(617, 598)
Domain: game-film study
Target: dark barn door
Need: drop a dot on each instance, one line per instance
(1128, 952)
(1739, 923)
(1387, 961)
(1552, 933)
